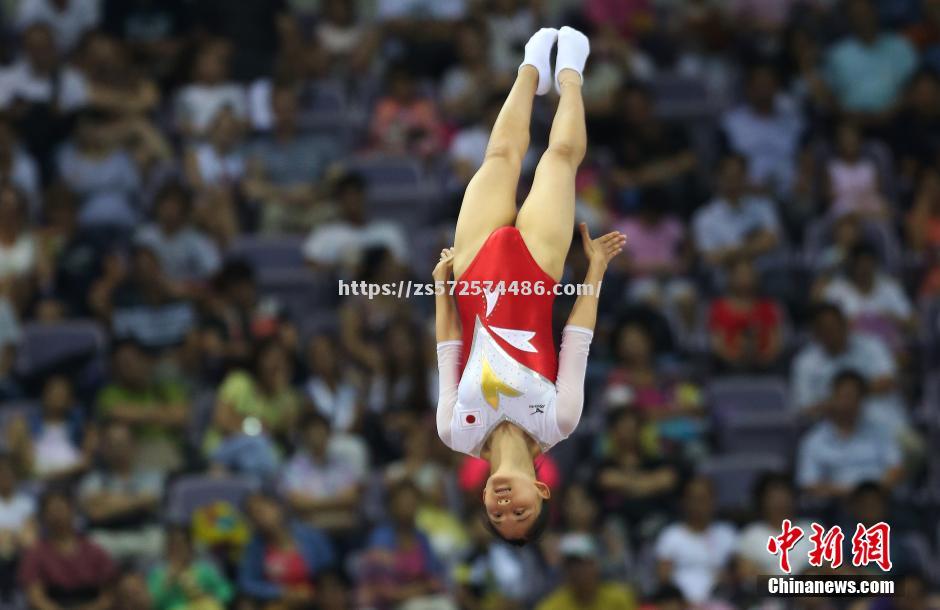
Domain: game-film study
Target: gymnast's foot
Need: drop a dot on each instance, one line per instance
(573, 51)
(538, 53)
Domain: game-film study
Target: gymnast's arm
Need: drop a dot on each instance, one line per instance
(447, 329)
(577, 335)
(569, 384)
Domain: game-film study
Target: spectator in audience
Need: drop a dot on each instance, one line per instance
(29, 94)
(9, 337)
(130, 591)
(666, 597)
(649, 153)
(349, 40)
(845, 449)
(774, 498)
(854, 184)
(364, 322)
(632, 481)
(425, 28)
(97, 167)
(155, 409)
(766, 129)
(835, 348)
(915, 135)
(399, 566)
(404, 122)
(199, 103)
(56, 444)
(236, 315)
(923, 221)
(17, 167)
(122, 499)
(418, 465)
(69, 19)
(694, 553)
(253, 411)
(154, 32)
(493, 572)
(28, 80)
(847, 233)
(331, 386)
(584, 588)
(405, 380)
(183, 581)
(17, 525)
(671, 405)
(657, 256)
(218, 162)
(285, 168)
(185, 253)
(746, 328)
(320, 485)
(341, 244)
(71, 258)
(18, 251)
(103, 78)
(868, 69)
(874, 301)
(142, 303)
(65, 569)
(509, 24)
(735, 224)
(467, 87)
(582, 515)
(283, 559)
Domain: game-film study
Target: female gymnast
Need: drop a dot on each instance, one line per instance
(510, 396)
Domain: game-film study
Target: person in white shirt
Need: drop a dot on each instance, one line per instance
(767, 129)
(342, 243)
(873, 300)
(775, 499)
(32, 75)
(693, 553)
(198, 103)
(17, 514)
(69, 19)
(735, 224)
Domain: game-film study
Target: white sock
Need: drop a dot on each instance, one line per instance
(538, 52)
(573, 51)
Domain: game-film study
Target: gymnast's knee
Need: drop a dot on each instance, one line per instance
(570, 151)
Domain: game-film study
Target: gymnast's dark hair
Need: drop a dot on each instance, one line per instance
(535, 532)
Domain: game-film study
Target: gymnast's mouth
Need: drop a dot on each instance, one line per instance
(502, 490)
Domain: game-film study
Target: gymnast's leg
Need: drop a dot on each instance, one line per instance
(490, 199)
(546, 219)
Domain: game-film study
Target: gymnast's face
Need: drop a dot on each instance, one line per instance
(513, 503)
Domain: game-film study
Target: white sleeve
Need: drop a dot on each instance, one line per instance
(448, 360)
(572, 365)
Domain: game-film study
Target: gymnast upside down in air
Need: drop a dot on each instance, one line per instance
(506, 395)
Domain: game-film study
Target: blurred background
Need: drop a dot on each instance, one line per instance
(193, 419)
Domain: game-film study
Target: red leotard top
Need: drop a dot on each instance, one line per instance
(512, 297)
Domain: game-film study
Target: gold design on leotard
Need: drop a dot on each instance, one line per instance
(492, 386)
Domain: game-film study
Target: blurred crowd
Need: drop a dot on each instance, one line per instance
(191, 418)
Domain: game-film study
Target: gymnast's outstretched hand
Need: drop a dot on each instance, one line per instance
(447, 320)
(445, 265)
(602, 250)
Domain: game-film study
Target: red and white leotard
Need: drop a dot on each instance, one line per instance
(511, 370)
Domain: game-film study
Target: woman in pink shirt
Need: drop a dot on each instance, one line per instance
(657, 260)
(405, 122)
